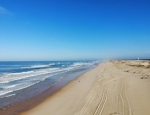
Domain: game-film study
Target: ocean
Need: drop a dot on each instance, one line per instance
(20, 80)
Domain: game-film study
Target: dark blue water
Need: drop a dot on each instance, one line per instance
(23, 79)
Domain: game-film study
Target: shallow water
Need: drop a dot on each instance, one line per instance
(23, 80)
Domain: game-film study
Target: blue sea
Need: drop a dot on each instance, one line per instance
(20, 80)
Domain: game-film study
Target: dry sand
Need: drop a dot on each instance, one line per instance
(112, 88)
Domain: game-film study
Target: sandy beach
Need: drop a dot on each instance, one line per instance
(74, 57)
(112, 88)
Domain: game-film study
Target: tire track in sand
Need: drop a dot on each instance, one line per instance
(92, 93)
(122, 104)
(119, 98)
(99, 110)
(102, 103)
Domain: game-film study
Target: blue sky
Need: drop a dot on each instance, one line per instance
(74, 29)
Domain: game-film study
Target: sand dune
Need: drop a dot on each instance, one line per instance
(112, 88)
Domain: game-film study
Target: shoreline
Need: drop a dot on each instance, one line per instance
(25, 105)
(118, 87)
(112, 88)
(70, 85)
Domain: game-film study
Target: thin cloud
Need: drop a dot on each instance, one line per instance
(5, 11)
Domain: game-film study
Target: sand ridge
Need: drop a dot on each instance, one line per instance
(112, 88)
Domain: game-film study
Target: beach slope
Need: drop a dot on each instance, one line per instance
(112, 88)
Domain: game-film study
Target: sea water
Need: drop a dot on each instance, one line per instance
(20, 80)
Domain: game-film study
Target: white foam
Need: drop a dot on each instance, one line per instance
(17, 76)
(10, 86)
(37, 66)
(5, 78)
(20, 86)
(4, 81)
(8, 95)
(5, 92)
(82, 64)
(34, 77)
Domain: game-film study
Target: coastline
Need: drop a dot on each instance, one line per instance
(111, 88)
(66, 93)
(18, 107)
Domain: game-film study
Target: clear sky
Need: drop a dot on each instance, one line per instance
(74, 29)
